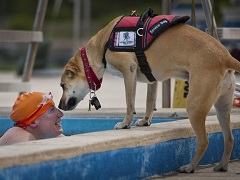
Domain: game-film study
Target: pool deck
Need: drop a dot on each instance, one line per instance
(101, 141)
(204, 173)
(113, 106)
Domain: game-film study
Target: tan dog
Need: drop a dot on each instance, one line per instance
(181, 51)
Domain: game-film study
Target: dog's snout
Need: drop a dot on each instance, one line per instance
(61, 105)
(69, 105)
(72, 102)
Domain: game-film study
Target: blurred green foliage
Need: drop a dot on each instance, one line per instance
(106, 10)
(20, 14)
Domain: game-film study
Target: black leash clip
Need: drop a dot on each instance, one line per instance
(93, 101)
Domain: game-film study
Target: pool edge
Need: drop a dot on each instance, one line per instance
(37, 152)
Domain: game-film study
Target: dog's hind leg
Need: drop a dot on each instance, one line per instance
(201, 97)
(150, 105)
(223, 107)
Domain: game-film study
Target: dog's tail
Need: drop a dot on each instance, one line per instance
(233, 64)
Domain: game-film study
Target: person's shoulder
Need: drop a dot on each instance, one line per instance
(22, 135)
(16, 135)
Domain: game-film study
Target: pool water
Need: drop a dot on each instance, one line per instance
(73, 126)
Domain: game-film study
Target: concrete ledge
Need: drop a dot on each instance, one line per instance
(120, 112)
(15, 86)
(127, 154)
(16, 36)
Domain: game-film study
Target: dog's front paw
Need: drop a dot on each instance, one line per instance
(121, 125)
(186, 169)
(221, 168)
(142, 122)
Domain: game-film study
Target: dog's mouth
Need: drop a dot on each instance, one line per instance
(71, 104)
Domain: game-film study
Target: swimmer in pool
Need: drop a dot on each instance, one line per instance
(35, 117)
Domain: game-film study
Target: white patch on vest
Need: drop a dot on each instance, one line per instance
(112, 70)
(125, 38)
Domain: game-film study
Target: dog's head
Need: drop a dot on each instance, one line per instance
(74, 84)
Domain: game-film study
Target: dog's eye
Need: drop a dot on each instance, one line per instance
(69, 73)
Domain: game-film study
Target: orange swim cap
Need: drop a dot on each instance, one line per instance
(29, 106)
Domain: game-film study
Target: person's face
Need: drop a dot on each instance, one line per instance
(49, 123)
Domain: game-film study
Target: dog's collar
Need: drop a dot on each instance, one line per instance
(93, 81)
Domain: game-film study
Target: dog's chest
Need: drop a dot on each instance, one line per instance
(112, 70)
